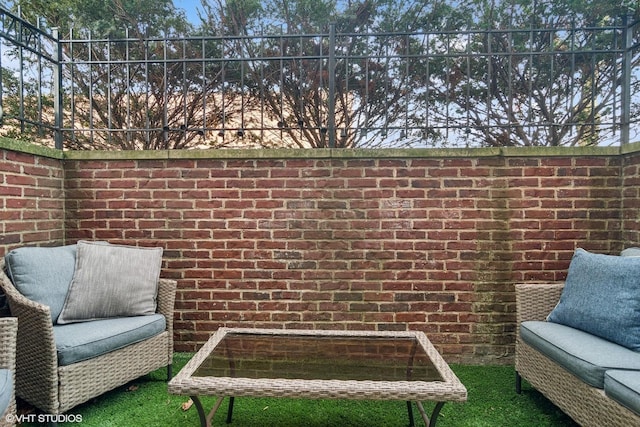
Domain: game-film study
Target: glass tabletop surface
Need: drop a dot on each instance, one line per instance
(312, 357)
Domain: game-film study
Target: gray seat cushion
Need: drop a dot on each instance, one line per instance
(6, 389)
(624, 388)
(81, 341)
(586, 356)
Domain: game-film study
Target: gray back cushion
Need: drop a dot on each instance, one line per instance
(602, 296)
(631, 252)
(112, 281)
(43, 274)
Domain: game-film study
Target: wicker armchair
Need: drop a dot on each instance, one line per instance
(55, 389)
(8, 331)
(587, 405)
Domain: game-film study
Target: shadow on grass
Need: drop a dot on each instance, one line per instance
(492, 402)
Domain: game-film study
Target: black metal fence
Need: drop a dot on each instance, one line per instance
(516, 87)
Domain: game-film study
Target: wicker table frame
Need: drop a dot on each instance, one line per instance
(450, 389)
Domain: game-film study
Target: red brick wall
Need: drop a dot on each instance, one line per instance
(355, 242)
(430, 240)
(631, 199)
(31, 197)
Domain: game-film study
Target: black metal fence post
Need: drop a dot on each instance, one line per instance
(57, 92)
(627, 57)
(331, 119)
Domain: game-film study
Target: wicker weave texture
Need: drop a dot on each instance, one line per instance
(90, 378)
(36, 359)
(8, 338)
(587, 405)
(450, 389)
(535, 301)
(40, 382)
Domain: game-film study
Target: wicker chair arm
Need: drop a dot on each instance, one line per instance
(37, 359)
(8, 338)
(166, 298)
(534, 301)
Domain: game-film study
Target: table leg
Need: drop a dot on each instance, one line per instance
(205, 420)
(230, 410)
(410, 410)
(201, 414)
(430, 421)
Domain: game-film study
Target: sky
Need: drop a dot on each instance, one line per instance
(190, 7)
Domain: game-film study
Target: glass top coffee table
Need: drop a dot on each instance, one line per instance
(318, 364)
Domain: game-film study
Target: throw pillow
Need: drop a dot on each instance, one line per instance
(112, 281)
(42, 274)
(602, 296)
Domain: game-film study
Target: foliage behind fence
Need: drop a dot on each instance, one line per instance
(513, 87)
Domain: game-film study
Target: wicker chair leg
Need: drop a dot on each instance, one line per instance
(518, 383)
(169, 372)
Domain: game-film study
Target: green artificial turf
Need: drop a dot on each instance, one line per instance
(492, 402)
